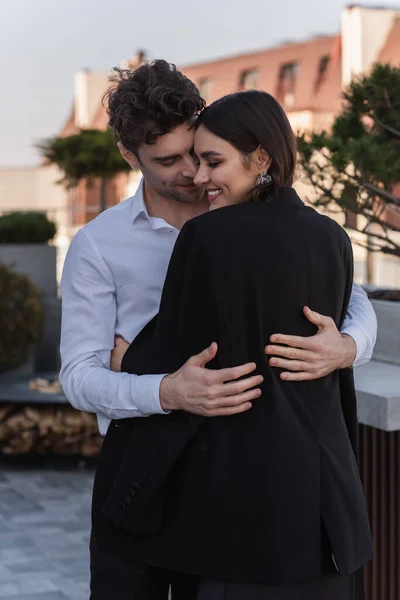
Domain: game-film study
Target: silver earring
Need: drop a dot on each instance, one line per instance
(264, 179)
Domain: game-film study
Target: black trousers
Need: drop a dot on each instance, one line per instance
(116, 578)
(331, 587)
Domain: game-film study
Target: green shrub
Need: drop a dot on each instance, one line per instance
(21, 317)
(26, 228)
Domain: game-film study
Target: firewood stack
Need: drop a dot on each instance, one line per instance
(48, 429)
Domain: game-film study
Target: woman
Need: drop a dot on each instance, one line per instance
(267, 504)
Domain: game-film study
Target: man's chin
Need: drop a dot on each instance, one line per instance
(189, 197)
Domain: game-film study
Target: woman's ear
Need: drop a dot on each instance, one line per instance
(128, 156)
(263, 160)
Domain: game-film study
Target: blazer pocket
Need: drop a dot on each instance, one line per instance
(132, 503)
(112, 452)
(137, 497)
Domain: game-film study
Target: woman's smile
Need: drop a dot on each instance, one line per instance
(212, 194)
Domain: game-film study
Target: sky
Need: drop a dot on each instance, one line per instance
(44, 42)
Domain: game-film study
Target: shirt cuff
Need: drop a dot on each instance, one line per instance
(147, 394)
(362, 355)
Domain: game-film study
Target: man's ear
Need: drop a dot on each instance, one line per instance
(128, 156)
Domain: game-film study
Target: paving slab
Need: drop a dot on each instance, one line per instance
(45, 528)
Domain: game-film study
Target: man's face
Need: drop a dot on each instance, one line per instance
(168, 166)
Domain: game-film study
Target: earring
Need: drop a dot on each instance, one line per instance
(264, 179)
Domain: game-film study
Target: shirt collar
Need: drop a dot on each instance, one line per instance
(138, 205)
(139, 208)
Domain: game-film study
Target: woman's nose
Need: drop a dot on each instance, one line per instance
(201, 177)
(190, 168)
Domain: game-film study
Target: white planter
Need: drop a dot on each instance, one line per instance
(36, 260)
(387, 347)
(24, 371)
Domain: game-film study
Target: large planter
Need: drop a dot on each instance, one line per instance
(387, 348)
(38, 261)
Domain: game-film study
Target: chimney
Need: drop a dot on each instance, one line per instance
(134, 62)
(89, 86)
(141, 57)
(364, 32)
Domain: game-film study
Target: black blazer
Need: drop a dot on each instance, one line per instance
(269, 494)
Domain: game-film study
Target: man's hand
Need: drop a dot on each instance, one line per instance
(120, 347)
(312, 357)
(206, 392)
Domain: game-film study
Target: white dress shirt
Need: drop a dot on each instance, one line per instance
(111, 285)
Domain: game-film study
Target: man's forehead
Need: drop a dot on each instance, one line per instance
(178, 141)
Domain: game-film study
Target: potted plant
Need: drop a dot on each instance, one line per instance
(24, 238)
(21, 321)
(24, 247)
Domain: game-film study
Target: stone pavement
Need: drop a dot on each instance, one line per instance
(44, 530)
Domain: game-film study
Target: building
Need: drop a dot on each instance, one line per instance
(306, 77)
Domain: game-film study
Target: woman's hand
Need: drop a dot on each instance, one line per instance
(120, 347)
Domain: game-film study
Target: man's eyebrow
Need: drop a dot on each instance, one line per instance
(167, 158)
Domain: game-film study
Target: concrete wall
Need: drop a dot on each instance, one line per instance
(32, 188)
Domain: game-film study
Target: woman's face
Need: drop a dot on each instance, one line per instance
(222, 172)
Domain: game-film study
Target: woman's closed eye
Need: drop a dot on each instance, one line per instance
(212, 165)
(195, 158)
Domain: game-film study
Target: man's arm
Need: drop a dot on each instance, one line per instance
(360, 324)
(195, 389)
(87, 338)
(306, 358)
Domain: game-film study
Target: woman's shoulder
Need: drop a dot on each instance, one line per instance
(332, 225)
(264, 215)
(225, 215)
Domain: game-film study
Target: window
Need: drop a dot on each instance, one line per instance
(248, 80)
(323, 65)
(322, 68)
(287, 83)
(205, 88)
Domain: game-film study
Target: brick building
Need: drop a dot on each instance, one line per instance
(306, 77)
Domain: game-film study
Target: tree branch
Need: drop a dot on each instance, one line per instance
(388, 128)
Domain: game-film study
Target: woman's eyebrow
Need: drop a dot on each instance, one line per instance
(209, 153)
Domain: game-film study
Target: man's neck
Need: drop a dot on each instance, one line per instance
(175, 213)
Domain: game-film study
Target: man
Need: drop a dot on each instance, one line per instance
(112, 283)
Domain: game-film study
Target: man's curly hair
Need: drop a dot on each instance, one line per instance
(149, 102)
